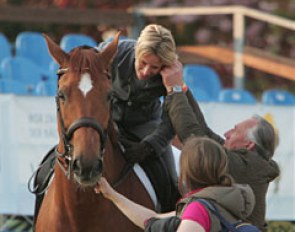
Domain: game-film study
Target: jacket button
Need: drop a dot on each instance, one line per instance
(129, 103)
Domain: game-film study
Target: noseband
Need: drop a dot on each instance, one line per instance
(68, 134)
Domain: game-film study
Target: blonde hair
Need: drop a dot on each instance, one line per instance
(203, 163)
(156, 39)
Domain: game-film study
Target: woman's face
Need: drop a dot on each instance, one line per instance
(147, 66)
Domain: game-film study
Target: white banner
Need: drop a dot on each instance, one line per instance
(28, 130)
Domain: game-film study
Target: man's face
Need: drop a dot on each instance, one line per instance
(147, 66)
(236, 138)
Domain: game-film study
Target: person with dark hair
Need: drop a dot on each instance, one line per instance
(203, 175)
(250, 145)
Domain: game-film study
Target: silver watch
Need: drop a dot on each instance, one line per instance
(177, 89)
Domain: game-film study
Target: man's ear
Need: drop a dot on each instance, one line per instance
(250, 145)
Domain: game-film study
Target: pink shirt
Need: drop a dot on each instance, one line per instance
(197, 212)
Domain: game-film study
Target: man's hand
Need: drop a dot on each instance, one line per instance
(172, 75)
(136, 152)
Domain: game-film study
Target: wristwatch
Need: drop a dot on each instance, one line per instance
(175, 89)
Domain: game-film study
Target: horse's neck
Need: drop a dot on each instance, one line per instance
(68, 194)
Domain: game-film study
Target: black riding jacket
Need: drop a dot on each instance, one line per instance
(137, 108)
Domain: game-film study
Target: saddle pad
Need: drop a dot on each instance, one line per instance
(146, 183)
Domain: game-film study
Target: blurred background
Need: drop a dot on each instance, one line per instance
(207, 48)
(188, 30)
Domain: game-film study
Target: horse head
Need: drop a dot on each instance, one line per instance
(83, 109)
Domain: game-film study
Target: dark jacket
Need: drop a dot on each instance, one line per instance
(247, 167)
(137, 108)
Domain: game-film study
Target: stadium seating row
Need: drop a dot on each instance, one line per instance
(206, 86)
(31, 71)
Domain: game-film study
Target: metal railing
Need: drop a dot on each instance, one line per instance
(239, 13)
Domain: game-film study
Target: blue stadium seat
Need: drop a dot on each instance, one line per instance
(204, 78)
(5, 47)
(14, 87)
(277, 97)
(53, 67)
(200, 95)
(239, 96)
(46, 88)
(23, 70)
(32, 45)
(122, 37)
(70, 41)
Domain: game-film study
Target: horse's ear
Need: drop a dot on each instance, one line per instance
(110, 50)
(56, 52)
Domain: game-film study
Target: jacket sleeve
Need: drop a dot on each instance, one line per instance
(162, 136)
(187, 118)
(163, 225)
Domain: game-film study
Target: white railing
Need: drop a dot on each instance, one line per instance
(239, 13)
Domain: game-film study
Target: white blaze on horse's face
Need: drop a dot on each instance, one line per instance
(85, 84)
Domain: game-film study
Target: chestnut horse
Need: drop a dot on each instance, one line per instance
(87, 148)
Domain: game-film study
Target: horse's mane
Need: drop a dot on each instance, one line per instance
(85, 58)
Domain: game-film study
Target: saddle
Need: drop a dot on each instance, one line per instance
(42, 178)
(166, 191)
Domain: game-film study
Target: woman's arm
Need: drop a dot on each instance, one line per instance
(188, 225)
(138, 214)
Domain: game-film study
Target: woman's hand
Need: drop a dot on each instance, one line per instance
(104, 188)
(138, 214)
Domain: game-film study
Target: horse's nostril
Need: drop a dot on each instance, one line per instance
(98, 167)
(77, 165)
(87, 170)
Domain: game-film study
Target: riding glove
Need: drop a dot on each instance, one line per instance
(136, 152)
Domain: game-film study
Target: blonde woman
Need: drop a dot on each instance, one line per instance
(144, 127)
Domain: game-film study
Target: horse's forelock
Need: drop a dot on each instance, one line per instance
(85, 58)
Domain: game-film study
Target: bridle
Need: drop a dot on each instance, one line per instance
(64, 159)
(84, 122)
(67, 134)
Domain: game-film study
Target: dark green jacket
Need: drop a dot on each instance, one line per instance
(137, 108)
(247, 167)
